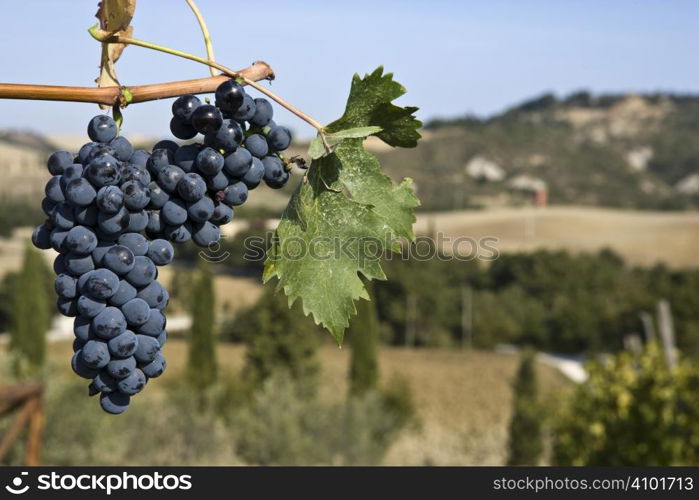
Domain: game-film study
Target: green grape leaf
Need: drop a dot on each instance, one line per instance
(347, 213)
(317, 149)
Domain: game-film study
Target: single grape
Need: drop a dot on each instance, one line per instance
(79, 264)
(182, 130)
(162, 338)
(79, 367)
(138, 221)
(95, 354)
(57, 238)
(257, 145)
(263, 113)
(124, 293)
(59, 265)
(114, 402)
(89, 307)
(66, 286)
(80, 240)
(170, 146)
(121, 368)
(185, 155)
(279, 182)
(191, 187)
(104, 383)
(139, 158)
(71, 172)
(47, 205)
(136, 195)
(133, 384)
(109, 323)
(156, 367)
(119, 259)
(206, 234)
(235, 194)
(41, 237)
(253, 176)
(169, 176)
(113, 223)
(202, 210)
(178, 234)
(67, 307)
(206, 119)
(161, 252)
(222, 214)
(184, 106)
(160, 159)
(154, 325)
(110, 199)
(86, 216)
(134, 242)
(123, 150)
(208, 162)
(229, 96)
(158, 196)
(155, 295)
(228, 137)
(62, 216)
(102, 129)
(147, 349)
(53, 189)
(103, 171)
(174, 213)
(279, 138)
(82, 328)
(85, 151)
(58, 161)
(80, 192)
(101, 284)
(143, 272)
(246, 111)
(218, 182)
(124, 345)
(238, 162)
(136, 311)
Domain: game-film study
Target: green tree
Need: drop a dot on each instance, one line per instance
(363, 337)
(524, 443)
(278, 339)
(632, 411)
(202, 367)
(30, 314)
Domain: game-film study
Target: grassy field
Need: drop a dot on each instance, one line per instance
(462, 398)
(641, 237)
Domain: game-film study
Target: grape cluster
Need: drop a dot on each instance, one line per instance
(196, 186)
(100, 201)
(107, 274)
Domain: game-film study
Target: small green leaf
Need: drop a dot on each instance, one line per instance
(346, 214)
(316, 148)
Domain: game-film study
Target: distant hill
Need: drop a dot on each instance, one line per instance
(630, 151)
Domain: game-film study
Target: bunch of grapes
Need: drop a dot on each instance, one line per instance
(101, 201)
(95, 203)
(196, 186)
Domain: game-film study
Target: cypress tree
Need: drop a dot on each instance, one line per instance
(525, 427)
(30, 314)
(279, 339)
(202, 366)
(363, 337)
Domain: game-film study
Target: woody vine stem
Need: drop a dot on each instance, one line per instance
(121, 97)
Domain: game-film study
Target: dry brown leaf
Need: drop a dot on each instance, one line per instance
(114, 17)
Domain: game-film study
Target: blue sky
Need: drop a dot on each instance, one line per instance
(454, 57)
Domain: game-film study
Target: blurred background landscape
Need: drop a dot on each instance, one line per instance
(575, 342)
